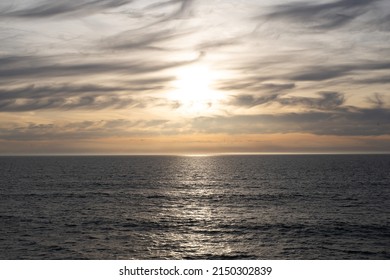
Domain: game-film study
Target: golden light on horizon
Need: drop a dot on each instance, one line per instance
(193, 89)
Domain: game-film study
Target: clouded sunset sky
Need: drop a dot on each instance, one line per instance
(194, 76)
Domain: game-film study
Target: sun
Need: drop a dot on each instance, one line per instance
(193, 89)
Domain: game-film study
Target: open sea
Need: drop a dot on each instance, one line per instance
(177, 207)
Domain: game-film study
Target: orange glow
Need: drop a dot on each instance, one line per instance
(205, 144)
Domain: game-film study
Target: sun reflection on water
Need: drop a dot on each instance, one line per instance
(193, 216)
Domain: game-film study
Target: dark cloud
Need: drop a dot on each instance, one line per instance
(329, 15)
(348, 121)
(64, 8)
(142, 39)
(277, 87)
(69, 96)
(216, 44)
(81, 130)
(132, 86)
(376, 80)
(33, 91)
(247, 100)
(326, 101)
(321, 73)
(380, 22)
(86, 102)
(376, 100)
(384, 23)
(343, 121)
(44, 67)
(253, 84)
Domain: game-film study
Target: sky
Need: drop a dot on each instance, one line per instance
(194, 76)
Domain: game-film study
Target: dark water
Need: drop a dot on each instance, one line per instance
(222, 207)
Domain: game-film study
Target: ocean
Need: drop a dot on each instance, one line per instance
(181, 207)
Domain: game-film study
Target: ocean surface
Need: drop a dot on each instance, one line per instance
(177, 207)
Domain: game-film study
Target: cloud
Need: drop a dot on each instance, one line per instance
(376, 80)
(72, 96)
(340, 122)
(348, 121)
(49, 8)
(142, 39)
(327, 100)
(163, 34)
(183, 10)
(253, 84)
(383, 23)
(82, 130)
(217, 44)
(376, 100)
(324, 16)
(87, 102)
(52, 66)
(321, 73)
(247, 100)
(299, 65)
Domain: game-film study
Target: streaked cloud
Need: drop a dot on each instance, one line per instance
(43, 9)
(22, 67)
(342, 122)
(81, 130)
(100, 69)
(325, 15)
(320, 73)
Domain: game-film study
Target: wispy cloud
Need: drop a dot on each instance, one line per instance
(82, 130)
(342, 122)
(376, 100)
(308, 67)
(27, 66)
(254, 84)
(376, 80)
(183, 8)
(321, 73)
(247, 100)
(325, 101)
(73, 96)
(143, 39)
(45, 9)
(323, 16)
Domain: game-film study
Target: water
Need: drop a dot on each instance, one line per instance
(220, 207)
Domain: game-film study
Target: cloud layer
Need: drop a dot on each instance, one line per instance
(128, 68)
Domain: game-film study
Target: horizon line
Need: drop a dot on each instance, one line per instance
(193, 154)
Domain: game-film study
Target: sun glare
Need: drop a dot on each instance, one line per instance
(193, 89)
